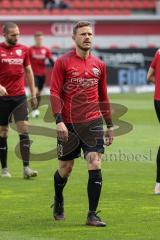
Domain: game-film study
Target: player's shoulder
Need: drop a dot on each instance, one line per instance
(97, 60)
(46, 48)
(3, 45)
(31, 47)
(22, 47)
(66, 56)
(158, 52)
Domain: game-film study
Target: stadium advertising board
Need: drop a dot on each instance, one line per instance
(127, 66)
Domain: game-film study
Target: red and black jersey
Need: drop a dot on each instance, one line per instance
(78, 88)
(156, 66)
(38, 55)
(13, 59)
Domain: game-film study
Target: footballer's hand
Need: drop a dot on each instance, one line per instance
(34, 103)
(3, 91)
(62, 132)
(109, 136)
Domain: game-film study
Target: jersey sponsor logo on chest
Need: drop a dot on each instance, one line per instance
(12, 61)
(84, 82)
(38, 56)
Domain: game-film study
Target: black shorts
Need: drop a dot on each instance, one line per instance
(39, 82)
(157, 108)
(86, 136)
(15, 106)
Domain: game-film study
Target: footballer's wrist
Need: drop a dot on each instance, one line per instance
(58, 118)
(110, 128)
(109, 123)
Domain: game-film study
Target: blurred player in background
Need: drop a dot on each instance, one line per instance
(14, 62)
(38, 56)
(79, 100)
(154, 76)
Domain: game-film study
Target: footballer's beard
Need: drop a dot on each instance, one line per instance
(85, 49)
(11, 42)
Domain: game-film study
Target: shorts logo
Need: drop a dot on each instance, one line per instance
(19, 52)
(60, 149)
(96, 71)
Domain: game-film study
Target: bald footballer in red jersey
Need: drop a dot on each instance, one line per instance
(79, 100)
(154, 76)
(38, 55)
(14, 63)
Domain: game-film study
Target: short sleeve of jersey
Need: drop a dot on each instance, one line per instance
(30, 52)
(27, 58)
(154, 61)
(48, 54)
(57, 78)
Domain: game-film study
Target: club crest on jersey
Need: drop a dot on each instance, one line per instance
(19, 52)
(43, 51)
(96, 71)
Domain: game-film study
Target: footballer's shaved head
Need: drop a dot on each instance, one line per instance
(11, 33)
(8, 25)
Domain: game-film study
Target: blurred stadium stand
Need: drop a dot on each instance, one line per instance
(127, 32)
(79, 7)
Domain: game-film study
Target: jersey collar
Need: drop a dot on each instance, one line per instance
(74, 51)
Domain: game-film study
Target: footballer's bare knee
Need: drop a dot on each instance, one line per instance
(65, 168)
(94, 160)
(3, 131)
(22, 126)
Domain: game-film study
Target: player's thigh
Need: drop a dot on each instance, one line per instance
(94, 160)
(20, 111)
(4, 131)
(71, 149)
(5, 111)
(93, 137)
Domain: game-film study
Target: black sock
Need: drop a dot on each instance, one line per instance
(38, 100)
(3, 151)
(158, 166)
(25, 148)
(59, 184)
(94, 188)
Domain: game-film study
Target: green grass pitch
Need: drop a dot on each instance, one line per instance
(127, 203)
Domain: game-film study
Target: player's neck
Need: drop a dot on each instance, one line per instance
(38, 45)
(81, 53)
